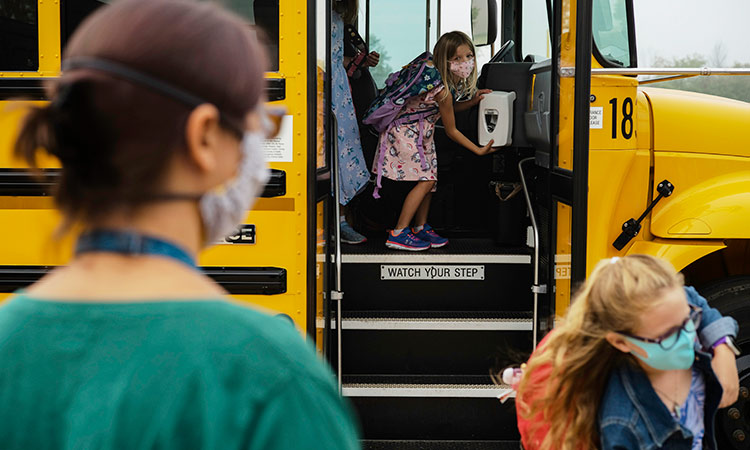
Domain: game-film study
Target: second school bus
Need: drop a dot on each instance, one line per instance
(609, 166)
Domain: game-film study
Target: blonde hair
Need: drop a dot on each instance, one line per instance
(614, 297)
(445, 49)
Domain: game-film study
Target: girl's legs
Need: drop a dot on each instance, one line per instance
(423, 231)
(420, 218)
(414, 203)
(348, 234)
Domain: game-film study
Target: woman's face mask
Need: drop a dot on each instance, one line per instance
(222, 211)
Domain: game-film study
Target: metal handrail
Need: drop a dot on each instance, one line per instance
(536, 289)
(337, 295)
(704, 71)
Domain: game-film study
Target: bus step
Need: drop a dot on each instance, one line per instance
(436, 320)
(459, 251)
(375, 444)
(442, 386)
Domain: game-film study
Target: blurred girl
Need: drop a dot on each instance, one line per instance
(639, 363)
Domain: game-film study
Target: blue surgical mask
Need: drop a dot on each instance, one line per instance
(680, 355)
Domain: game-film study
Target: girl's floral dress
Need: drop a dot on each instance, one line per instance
(353, 174)
(402, 160)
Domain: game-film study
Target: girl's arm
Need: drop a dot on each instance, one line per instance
(463, 106)
(445, 102)
(713, 327)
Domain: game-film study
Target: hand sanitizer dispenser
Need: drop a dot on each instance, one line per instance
(496, 118)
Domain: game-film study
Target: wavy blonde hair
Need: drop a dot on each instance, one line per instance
(445, 49)
(615, 295)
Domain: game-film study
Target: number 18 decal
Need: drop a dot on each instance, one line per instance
(626, 125)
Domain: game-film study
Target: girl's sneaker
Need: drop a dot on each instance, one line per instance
(427, 234)
(406, 241)
(349, 235)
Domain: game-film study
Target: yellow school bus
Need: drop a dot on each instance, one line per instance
(599, 164)
(266, 262)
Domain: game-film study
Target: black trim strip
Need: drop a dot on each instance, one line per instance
(249, 280)
(275, 89)
(26, 88)
(22, 182)
(32, 88)
(236, 280)
(312, 156)
(276, 186)
(581, 140)
(561, 185)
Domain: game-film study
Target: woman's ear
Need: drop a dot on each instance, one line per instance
(618, 341)
(201, 136)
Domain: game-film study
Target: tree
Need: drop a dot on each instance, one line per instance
(383, 69)
(729, 86)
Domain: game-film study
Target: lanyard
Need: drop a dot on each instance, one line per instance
(130, 243)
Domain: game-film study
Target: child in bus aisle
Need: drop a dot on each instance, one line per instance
(454, 59)
(640, 362)
(353, 174)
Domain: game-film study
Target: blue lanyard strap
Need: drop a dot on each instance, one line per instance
(130, 243)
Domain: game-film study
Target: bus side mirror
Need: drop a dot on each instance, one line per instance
(483, 21)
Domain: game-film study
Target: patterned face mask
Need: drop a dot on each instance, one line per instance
(462, 69)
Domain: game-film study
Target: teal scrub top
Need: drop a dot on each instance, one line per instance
(162, 374)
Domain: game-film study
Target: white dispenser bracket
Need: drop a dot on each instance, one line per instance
(496, 118)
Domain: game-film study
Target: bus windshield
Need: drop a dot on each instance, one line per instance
(611, 32)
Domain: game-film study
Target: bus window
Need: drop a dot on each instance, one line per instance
(534, 30)
(19, 36)
(265, 15)
(610, 26)
(456, 16)
(398, 31)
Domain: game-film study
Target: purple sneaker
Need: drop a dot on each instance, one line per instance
(427, 234)
(406, 241)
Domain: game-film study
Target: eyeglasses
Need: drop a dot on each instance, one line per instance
(670, 338)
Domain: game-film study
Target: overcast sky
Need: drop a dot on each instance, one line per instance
(664, 28)
(677, 28)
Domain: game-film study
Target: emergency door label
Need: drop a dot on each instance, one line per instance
(279, 148)
(431, 272)
(245, 234)
(562, 267)
(596, 117)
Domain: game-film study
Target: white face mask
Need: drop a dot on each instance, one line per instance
(223, 211)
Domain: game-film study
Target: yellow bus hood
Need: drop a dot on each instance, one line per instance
(687, 122)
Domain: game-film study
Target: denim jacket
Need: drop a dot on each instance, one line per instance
(631, 414)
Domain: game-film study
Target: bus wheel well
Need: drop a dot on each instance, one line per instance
(732, 261)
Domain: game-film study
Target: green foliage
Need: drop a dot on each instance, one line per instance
(383, 69)
(730, 86)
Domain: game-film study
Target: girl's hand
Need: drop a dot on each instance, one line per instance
(725, 369)
(487, 149)
(373, 59)
(479, 96)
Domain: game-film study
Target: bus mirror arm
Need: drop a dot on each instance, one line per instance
(632, 227)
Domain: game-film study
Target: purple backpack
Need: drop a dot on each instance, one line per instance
(415, 78)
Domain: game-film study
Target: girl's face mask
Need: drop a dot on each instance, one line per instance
(672, 352)
(462, 69)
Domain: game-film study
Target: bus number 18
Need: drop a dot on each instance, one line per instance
(626, 125)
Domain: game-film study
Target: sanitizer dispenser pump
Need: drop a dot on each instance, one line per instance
(496, 118)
